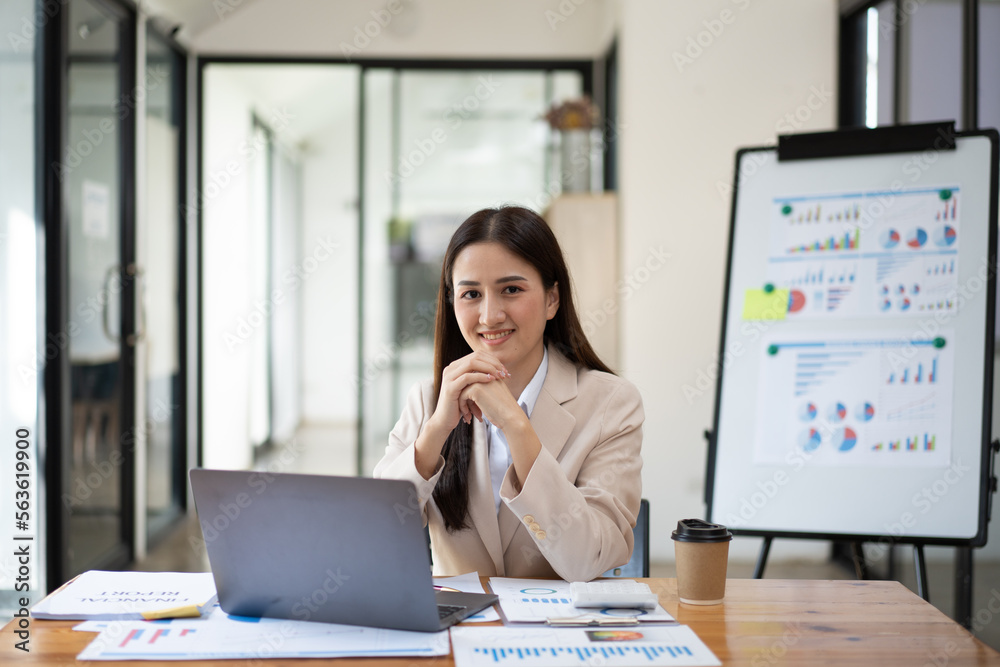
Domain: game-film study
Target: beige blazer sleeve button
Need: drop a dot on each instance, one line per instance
(540, 534)
(534, 527)
(528, 519)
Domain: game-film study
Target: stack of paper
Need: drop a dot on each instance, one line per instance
(129, 595)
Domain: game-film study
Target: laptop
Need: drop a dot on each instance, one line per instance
(320, 548)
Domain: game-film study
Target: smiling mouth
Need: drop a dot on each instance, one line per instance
(497, 335)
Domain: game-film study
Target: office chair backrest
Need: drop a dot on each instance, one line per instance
(638, 565)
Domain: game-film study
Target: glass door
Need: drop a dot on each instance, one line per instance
(95, 178)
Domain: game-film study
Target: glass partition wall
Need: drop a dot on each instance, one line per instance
(438, 146)
(386, 162)
(20, 313)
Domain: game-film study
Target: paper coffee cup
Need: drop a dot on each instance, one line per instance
(702, 553)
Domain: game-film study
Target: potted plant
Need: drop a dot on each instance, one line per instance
(574, 119)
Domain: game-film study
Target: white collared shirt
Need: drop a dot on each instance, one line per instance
(496, 442)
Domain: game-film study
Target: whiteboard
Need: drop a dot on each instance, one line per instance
(855, 367)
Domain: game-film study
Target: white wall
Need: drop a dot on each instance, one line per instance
(225, 197)
(408, 28)
(681, 123)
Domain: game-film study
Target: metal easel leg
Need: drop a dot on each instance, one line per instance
(963, 586)
(860, 564)
(758, 570)
(921, 571)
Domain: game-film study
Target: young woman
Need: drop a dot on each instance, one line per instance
(525, 447)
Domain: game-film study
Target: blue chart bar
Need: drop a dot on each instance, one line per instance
(620, 655)
(916, 375)
(548, 600)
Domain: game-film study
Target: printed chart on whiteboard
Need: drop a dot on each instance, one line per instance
(876, 254)
(869, 400)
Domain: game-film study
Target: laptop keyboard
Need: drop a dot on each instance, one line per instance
(445, 610)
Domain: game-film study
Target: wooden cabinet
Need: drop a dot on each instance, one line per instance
(587, 228)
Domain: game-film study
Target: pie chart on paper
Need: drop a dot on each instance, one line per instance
(807, 412)
(945, 236)
(837, 413)
(889, 239)
(865, 411)
(917, 238)
(809, 440)
(796, 301)
(844, 439)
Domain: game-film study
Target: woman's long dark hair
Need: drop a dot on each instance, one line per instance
(524, 233)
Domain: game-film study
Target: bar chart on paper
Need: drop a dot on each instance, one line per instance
(676, 645)
(220, 636)
(858, 401)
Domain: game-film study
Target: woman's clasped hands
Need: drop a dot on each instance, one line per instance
(475, 386)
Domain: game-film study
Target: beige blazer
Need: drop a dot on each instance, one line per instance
(574, 516)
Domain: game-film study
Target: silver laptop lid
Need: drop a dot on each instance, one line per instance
(317, 548)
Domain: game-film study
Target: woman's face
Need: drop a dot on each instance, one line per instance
(501, 305)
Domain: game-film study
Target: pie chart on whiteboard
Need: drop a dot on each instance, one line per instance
(796, 300)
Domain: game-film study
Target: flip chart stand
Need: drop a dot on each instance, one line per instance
(837, 149)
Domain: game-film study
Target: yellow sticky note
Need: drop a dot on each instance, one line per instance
(759, 304)
(187, 611)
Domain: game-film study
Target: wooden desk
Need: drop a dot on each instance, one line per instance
(761, 623)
